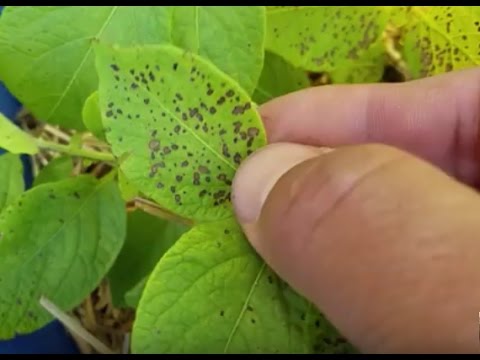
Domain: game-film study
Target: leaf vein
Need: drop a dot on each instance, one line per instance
(80, 66)
(245, 305)
(182, 124)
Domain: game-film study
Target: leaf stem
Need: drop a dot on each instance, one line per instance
(155, 210)
(90, 154)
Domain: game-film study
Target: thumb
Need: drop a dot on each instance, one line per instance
(386, 245)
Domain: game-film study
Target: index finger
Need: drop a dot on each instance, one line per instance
(435, 118)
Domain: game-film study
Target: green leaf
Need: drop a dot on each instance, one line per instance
(92, 118)
(46, 56)
(439, 39)
(11, 179)
(345, 41)
(184, 125)
(133, 296)
(57, 169)
(278, 78)
(232, 37)
(148, 238)
(15, 140)
(50, 68)
(128, 191)
(57, 240)
(211, 293)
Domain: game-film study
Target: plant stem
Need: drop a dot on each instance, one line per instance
(90, 154)
(74, 326)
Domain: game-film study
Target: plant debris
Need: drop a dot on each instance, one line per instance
(110, 325)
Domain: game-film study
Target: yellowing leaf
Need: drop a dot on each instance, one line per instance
(231, 37)
(128, 191)
(183, 125)
(345, 41)
(15, 140)
(439, 39)
(92, 119)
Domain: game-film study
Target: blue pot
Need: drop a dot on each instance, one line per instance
(52, 339)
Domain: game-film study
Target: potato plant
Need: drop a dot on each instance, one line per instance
(138, 120)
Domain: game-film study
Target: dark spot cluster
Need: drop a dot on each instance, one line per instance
(192, 146)
(240, 109)
(449, 46)
(326, 36)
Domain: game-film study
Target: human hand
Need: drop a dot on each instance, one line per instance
(384, 239)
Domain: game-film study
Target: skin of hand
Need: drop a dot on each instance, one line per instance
(365, 201)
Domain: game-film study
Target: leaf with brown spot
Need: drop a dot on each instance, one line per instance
(439, 39)
(345, 41)
(211, 293)
(58, 240)
(232, 37)
(152, 137)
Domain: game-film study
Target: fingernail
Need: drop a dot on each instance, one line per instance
(259, 173)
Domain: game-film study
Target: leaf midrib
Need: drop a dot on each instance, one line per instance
(182, 124)
(197, 28)
(105, 23)
(433, 26)
(244, 307)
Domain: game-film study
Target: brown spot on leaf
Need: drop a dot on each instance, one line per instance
(237, 158)
(196, 178)
(238, 110)
(154, 145)
(178, 199)
(203, 169)
(252, 132)
(225, 151)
